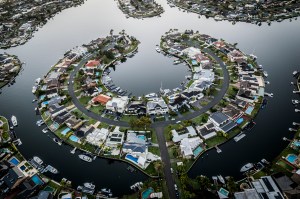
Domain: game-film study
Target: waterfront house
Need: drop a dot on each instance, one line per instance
(191, 52)
(55, 110)
(98, 136)
(73, 123)
(207, 131)
(115, 138)
(236, 55)
(157, 106)
(176, 101)
(92, 64)
(101, 99)
(117, 104)
(191, 94)
(188, 145)
(232, 112)
(222, 122)
(267, 188)
(13, 178)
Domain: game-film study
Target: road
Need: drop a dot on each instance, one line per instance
(158, 126)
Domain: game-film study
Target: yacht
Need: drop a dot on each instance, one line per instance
(45, 130)
(295, 73)
(158, 50)
(89, 185)
(52, 169)
(265, 74)
(246, 167)
(57, 141)
(37, 81)
(85, 158)
(221, 179)
(34, 88)
(40, 122)
(269, 94)
(14, 120)
(38, 160)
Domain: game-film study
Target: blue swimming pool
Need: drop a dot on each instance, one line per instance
(296, 143)
(45, 103)
(146, 194)
(240, 120)
(37, 180)
(249, 110)
(14, 161)
(142, 137)
(97, 74)
(197, 151)
(65, 131)
(73, 138)
(131, 158)
(23, 167)
(291, 158)
(224, 192)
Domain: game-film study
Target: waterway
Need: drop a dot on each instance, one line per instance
(277, 47)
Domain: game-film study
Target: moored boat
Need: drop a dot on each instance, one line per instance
(85, 158)
(52, 169)
(221, 179)
(38, 160)
(89, 185)
(14, 120)
(246, 167)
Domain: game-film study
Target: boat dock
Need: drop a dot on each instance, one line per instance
(239, 137)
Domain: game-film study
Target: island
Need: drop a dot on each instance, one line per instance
(10, 66)
(140, 8)
(19, 20)
(249, 11)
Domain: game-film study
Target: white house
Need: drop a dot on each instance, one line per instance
(117, 104)
(188, 145)
(157, 106)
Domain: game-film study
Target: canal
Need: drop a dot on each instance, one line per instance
(277, 47)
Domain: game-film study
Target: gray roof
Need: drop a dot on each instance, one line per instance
(219, 117)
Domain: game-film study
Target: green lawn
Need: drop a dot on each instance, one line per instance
(154, 150)
(215, 141)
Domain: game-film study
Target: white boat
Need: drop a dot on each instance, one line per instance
(267, 82)
(38, 160)
(37, 81)
(295, 73)
(14, 120)
(57, 141)
(45, 130)
(85, 158)
(151, 95)
(295, 101)
(246, 167)
(40, 122)
(253, 56)
(269, 94)
(89, 185)
(52, 169)
(158, 50)
(106, 191)
(34, 88)
(265, 161)
(265, 74)
(239, 137)
(221, 179)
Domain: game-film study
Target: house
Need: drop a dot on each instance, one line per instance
(207, 131)
(247, 193)
(188, 145)
(191, 52)
(97, 136)
(115, 138)
(188, 132)
(92, 64)
(117, 104)
(221, 121)
(136, 107)
(267, 188)
(232, 112)
(73, 123)
(101, 99)
(134, 144)
(190, 94)
(235, 55)
(157, 106)
(13, 178)
(176, 101)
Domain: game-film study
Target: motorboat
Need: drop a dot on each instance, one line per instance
(34, 88)
(38, 160)
(158, 50)
(45, 130)
(221, 179)
(247, 167)
(40, 122)
(57, 141)
(295, 73)
(52, 169)
(265, 74)
(85, 158)
(89, 185)
(14, 120)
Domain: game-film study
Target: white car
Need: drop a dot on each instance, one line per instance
(178, 122)
(175, 186)
(171, 170)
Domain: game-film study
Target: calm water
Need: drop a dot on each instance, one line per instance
(277, 46)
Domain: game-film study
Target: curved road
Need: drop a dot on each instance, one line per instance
(158, 126)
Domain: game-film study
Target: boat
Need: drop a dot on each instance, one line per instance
(265, 74)
(37, 81)
(34, 88)
(267, 82)
(89, 185)
(40, 122)
(295, 102)
(239, 137)
(265, 161)
(269, 94)
(57, 141)
(295, 73)
(151, 95)
(45, 130)
(221, 179)
(85, 158)
(14, 120)
(106, 191)
(38, 160)
(247, 167)
(254, 57)
(52, 169)
(158, 50)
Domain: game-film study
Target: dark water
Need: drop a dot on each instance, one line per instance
(277, 46)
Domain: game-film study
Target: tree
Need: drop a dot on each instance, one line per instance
(203, 181)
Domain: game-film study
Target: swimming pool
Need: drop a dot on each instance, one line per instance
(14, 161)
(65, 131)
(296, 143)
(146, 194)
(197, 151)
(131, 158)
(23, 167)
(224, 192)
(73, 138)
(291, 158)
(37, 180)
(249, 110)
(240, 120)
(142, 137)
